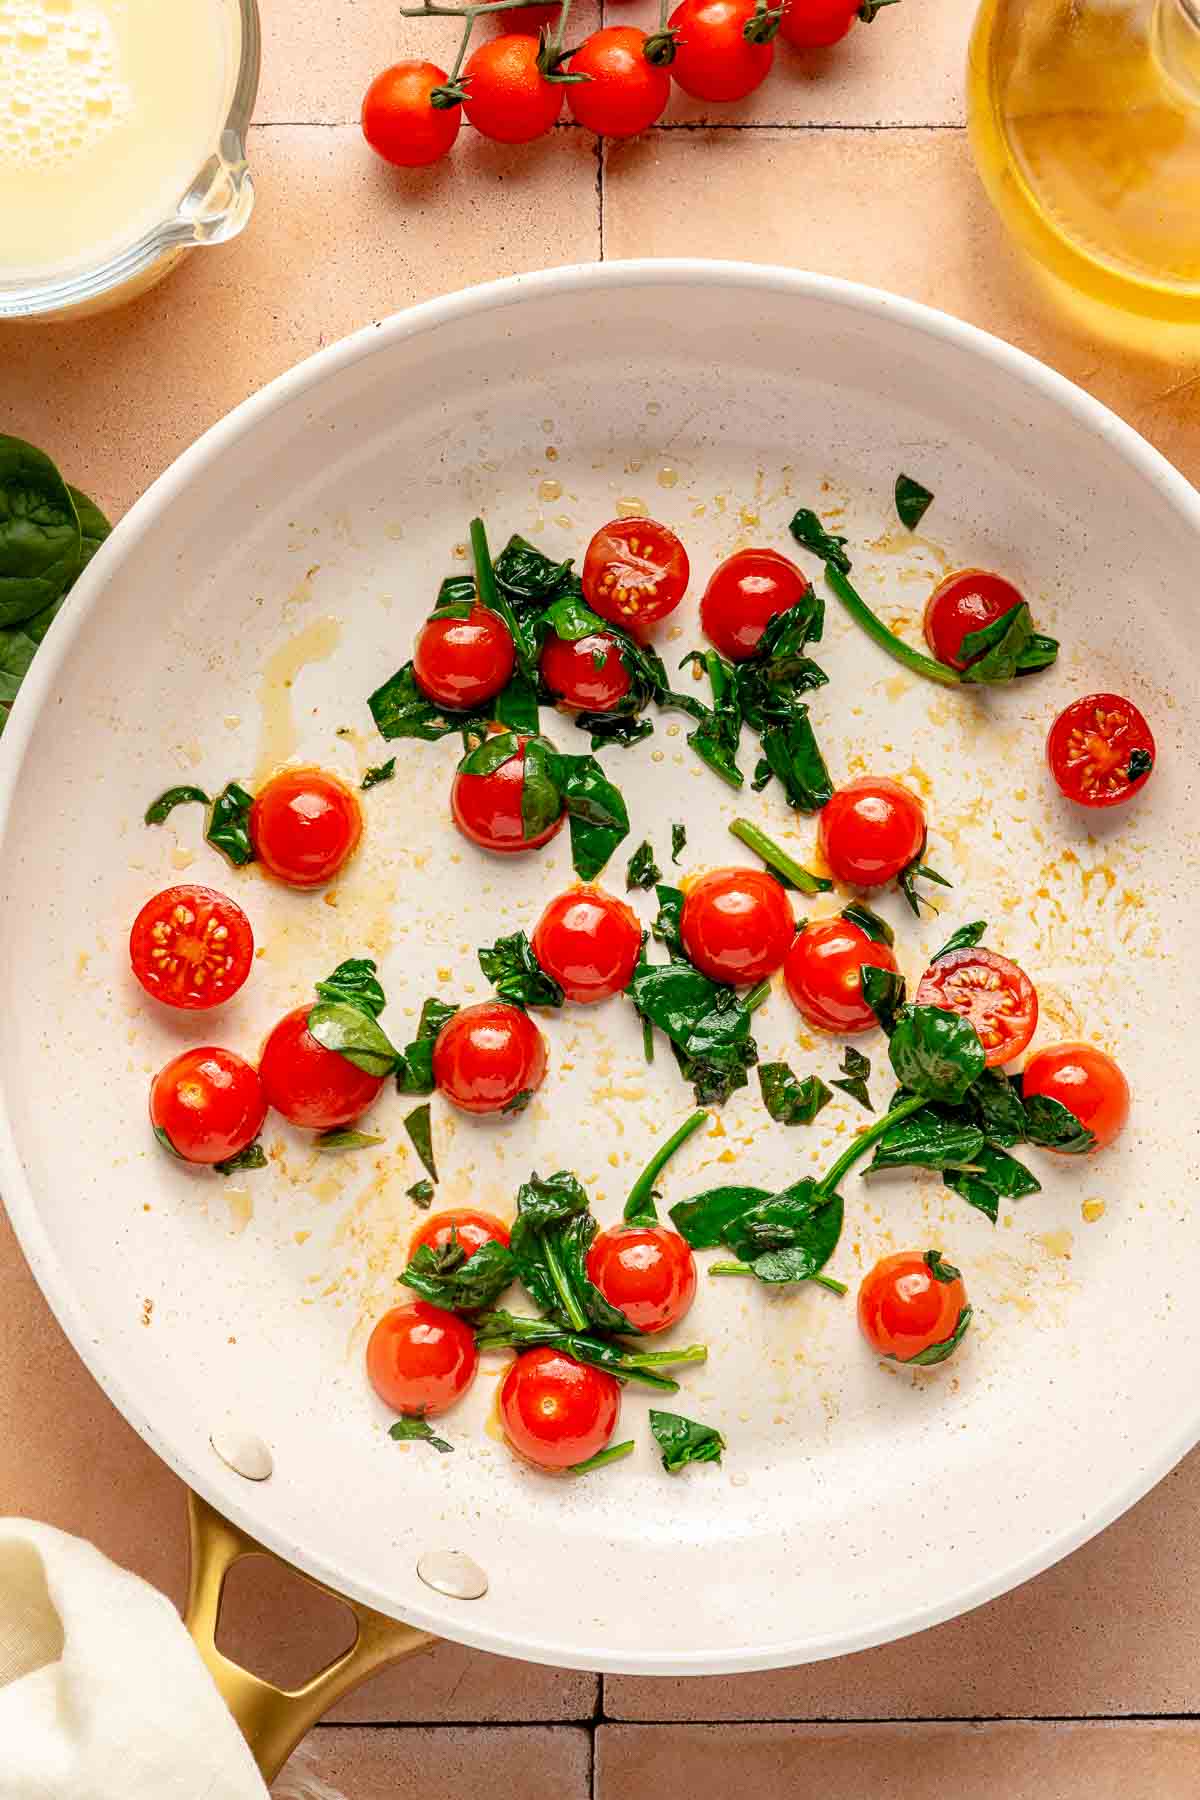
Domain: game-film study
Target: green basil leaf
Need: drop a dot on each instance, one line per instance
(791, 1101)
(516, 974)
(357, 983)
(808, 530)
(704, 1219)
(994, 653)
(965, 938)
(912, 501)
(346, 1140)
(935, 1053)
(1053, 1126)
(996, 1176)
(418, 1431)
(41, 544)
(937, 1353)
(159, 810)
(666, 926)
(229, 824)
(641, 871)
(856, 1072)
(678, 840)
(345, 1027)
(419, 1126)
(252, 1157)
(434, 1014)
(414, 1066)
(421, 1194)
(94, 528)
(928, 1139)
(683, 1441)
(868, 921)
(459, 1282)
(883, 991)
(381, 772)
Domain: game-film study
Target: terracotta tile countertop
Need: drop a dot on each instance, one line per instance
(854, 162)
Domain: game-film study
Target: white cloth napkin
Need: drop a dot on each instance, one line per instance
(102, 1694)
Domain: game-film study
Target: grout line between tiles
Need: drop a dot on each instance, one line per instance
(1129, 1718)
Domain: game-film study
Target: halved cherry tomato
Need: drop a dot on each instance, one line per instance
(870, 830)
(744, 594)
(191, 947)
(555, 1411)
(460, 663)
(911, 1305)
(508, 97)
(208, 1104)
(587, 672)
(588, 942)
(962, 603)
(635, 571)
(487, 808)
(823, 973)
(471, 1229)
(989, 990)
(736, 925)
(421, 1358)
(714, 59)
(1086, 1081)
(646, 1272)
(310, 1085)
(624, 92)
(305, 826)
(488, 1056)
(815, 24)
(1100, 750)
(399, 121)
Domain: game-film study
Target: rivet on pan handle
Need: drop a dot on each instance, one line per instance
(273, 1720)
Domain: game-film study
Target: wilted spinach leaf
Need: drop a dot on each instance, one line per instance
(868, 921)
(789, 1100)
(642, 871)
(449, 1277)
(356, 982)
(351, 1030)
(1052, 1126)
(161, 809)
(808, 530)
(935, 1053)
(679, 839)
(418, 1431)
(883, 991)
(684, 1441)
(912, 501)
(995, 1176)
(229, 824)
(856, 1072)
(708, 1025)
(666, 925)
(517, 975)
(252, 1157)
(929, 1139)
(381, 772)
(965, 938)
(937, 1353)
(421, 1193)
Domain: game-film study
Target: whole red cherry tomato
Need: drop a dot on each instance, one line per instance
(310, 1085)
(489, 809)
(588, 942)
(815, 24)
(871, 830)
(635, 571)
(191, 947)
(715, 58)
(646, 1272)
(913, 1307)
(1086, 1081)
(990, 991)
(744, 594)
(736, 925)
(525, 21)
(962, 603)
(508, 97)
(470, 1229)
(823, 973)
(587, 672)
(305, 826)
(1100, 750)
(207, 1105)
(460, 663)
(557, 1412)
(489, 1058)
(399, 120)
(624, 93)
(421, 1359)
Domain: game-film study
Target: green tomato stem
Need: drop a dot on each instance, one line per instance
(651, 1359)
(641, 1201)
(874, 627)
(862, 1143)
(614, 1453)
(778, 859)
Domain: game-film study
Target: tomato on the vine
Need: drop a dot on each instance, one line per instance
(588, 942)
(509, 98)
(645, 1271)
(191, 947)
(421, 1358)
(305, 826)
(736, 925)
(489, 1058)
(714, 58)
(635, 572)
(871, 830)
(526, 21)
(815, 24)
(991, 992)
(588, 672)
(460, 1224)
(555, 1411)
(1087, 1081)
(460, 663)
(489, 809)
(208, 1104)
(823, 974)
(1100, 750)
(399, 119)
(625, 92)
(913, 1307)
(744, 594)
(310, 1085)
(964, 602)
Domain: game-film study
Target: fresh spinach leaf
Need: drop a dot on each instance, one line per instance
(383, 771)
(346, 1140)
(1038, 653)
(19, 645)
(1052, 1126)
(679, 839)
(642, 871)
(707, 1024)
(160, 810)
(666, 925)
(229, 824)
(414, 1066)
(544, 1208)
(883, 991)
(41, 543)
(356, 982)
(93, 526)
(856, 1072)
(937, 1353)
(517, 975)
(868, 921)
(912, 501)
(935, 1053)
(929, 1139)
(994, 652)
(419, 1126)
(252, 1157)
(791, 1101)
(808, 531)
(421, 1194)
(995, 1176)
(683, 1441)
(416, 1430)
(965, 938)
(449, 1277)
(345, 1026)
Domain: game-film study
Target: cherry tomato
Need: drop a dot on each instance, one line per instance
(191, 947)
(399, 120)
(736, 925)
(310, 1085)
(646, 1272)
(1100, 750)
(588, 672)
(305, 826)
(815, 24)
(460, 663)
(964, 602)
(823, 973)
(487, 808)
(1086, 1081)
(555, 1411)
(911, 1303)
(487, 1056)
(744, 594)
(208, 1104)
(525, 21)
(714, 59)
(870, 830)
(421, 1359)
(471, 1229)
(993, 993)
(635, 571)
(508, 97)
(588, 942)
(624, 93)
